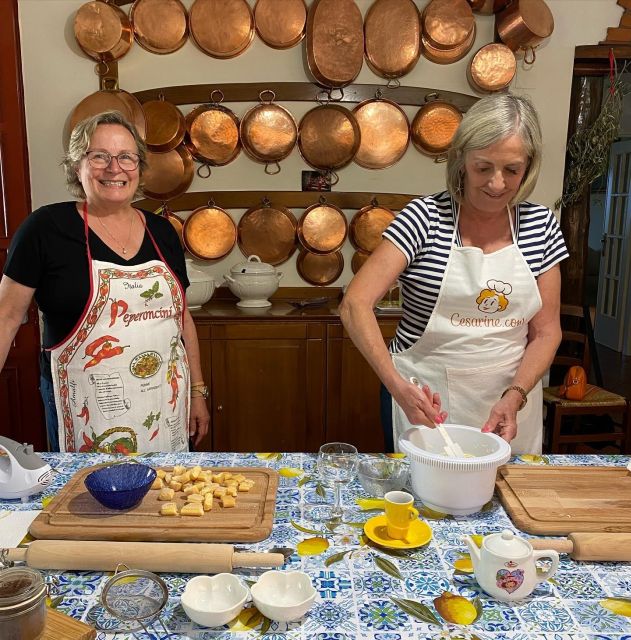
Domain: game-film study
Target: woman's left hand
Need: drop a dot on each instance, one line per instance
(199, 419)
(503, 418)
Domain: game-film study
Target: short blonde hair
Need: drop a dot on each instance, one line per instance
(80, 142)
(488, 121)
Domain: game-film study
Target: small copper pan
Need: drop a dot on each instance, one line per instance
(392, 38)
(268, 133)
(209, 232)
(385, 133)
(358, 259)
(160, 26)
(221, 28)
(280, 25)
(322, 228)
(335, 42)
(175, 220)
(168, 175)
(447, 24)
(492, 68)
(448, 56)
(268, 232)
(165, 125)
(367, 226)
(434, 127)
(524, 24)
(320, 270)
(103, 31)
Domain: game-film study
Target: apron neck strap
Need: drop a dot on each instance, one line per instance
(456, 234)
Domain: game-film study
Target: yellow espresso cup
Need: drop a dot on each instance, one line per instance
(399, 513)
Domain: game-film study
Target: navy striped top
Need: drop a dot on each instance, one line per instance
(422, 232)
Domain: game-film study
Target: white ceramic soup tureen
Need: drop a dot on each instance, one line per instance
(253, 282)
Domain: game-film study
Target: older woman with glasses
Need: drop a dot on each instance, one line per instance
(120, 368)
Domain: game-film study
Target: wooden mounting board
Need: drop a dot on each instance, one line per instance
(560, 500)
(62, 627)
(75, 515)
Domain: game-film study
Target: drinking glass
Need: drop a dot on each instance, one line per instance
(337, 465)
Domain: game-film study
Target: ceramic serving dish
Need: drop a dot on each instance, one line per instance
(213, 601)
(253, 282)
(284, 596)
(201, 286)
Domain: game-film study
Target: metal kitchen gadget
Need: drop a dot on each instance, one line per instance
(22, 472)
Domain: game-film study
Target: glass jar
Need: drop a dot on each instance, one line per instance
(22, 604)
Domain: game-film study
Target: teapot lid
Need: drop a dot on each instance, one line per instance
(507, 545)
(252, 265)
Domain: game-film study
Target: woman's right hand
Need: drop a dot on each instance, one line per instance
(420, 404)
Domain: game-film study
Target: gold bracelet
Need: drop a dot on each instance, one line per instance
(198, 384)
(522, 393)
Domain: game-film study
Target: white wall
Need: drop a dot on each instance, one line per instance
(57, 75)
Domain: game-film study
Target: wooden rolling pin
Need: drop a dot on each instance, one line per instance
(595, 547)
(168, 557)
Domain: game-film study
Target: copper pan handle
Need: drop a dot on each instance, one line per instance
(203, 174)
(528, 61)
(269, 166)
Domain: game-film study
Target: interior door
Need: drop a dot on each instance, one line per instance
(615, 267)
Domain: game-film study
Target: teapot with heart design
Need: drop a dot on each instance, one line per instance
(505, 566)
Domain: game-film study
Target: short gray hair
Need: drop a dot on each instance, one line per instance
(80, 142)
(488, 121)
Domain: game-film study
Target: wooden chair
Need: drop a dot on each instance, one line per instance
(598, 402)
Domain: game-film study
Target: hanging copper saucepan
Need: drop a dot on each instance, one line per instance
(176, 222)
(213, 134)
(165, 125)
(321, 270)
(280, 27)
(434, 126)
(334, 42)
(358, 259)
(447, 24)
(392, 38)
(525, 24)
(168, 175)
(221, 28)
(268, 133)
(209, 232)
(448, 56)
(103, 31)
(385, 133)
(322, 227)
(268, 232)
(492, 68)
(488, 7)
(367, 226)
(160, 26)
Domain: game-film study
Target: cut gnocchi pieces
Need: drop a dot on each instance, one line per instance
(168, 509)
(228, 502)
(166, 494)
(192, 509)
(157, 483)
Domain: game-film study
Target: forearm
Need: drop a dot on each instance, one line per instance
(191, 344)
(14, 303)
(537, 359)
(8, 328)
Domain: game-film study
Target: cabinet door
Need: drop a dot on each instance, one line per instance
(353, 392)
(267, 387)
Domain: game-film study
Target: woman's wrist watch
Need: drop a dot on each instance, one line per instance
(522, 393)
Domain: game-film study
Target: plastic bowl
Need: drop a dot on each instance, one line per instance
(213, 601)
(458, 486)
(284, 596)
(379, 475)
(120, 486)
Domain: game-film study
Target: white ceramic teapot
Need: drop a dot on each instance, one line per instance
(505, 567)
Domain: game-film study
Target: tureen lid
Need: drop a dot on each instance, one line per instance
(252, 265)
(507, 545)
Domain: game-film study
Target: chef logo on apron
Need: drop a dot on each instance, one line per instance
(493, 298)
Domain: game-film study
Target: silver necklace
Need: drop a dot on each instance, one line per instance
(116, 240)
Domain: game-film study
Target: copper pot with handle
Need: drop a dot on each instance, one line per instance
(168, 175)
(165, 125)
(103, 30)
(488, 7)
(492, 68)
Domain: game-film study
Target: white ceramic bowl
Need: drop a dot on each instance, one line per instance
(284, 596)
(458, 486)
(199, 293)
(213, 601)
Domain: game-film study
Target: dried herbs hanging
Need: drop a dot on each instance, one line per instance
(588, 149)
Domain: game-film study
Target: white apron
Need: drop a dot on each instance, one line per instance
(475, 340)
(121, 377)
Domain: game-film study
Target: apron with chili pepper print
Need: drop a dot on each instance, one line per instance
(121, 377)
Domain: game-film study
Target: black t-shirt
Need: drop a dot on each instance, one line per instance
(48, 253)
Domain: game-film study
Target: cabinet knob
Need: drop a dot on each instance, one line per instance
(219, 407)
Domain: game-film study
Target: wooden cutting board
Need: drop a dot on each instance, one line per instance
(75, 515)
(561, 500)
(62, 627)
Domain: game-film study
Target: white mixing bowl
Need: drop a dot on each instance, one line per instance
(458, 486)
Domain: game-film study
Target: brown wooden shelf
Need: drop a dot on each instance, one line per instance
(601, 51)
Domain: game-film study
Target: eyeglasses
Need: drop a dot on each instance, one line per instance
(101, 160)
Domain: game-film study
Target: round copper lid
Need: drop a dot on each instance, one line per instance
(322, 228)
(385, 133)
(167, 175)
(367, 226)
(165, 125)
(434, 127)
(358, 259)
(268, 232)
(328, 137)
(160, 26)
(102, 30)
(280, 25)
(209, 233)
(447, 23)
(213, 132)
(492, 68)
(221, 28)
(447, 56)
(320, 270)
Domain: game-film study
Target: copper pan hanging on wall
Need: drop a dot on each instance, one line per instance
(280, 25)
(334, 42)
(488, 7)
(358, 260)
(176, 222)
(448, 56)
(268, 231)
(221, 28)
(320, 270)
(160, 26)
(165, 125)
(209, 232)
(392, 38)
(434, 126)
(268, 133)
(103, 30)
(492, 68)
(322, 227)
(367, 226)
(167, 175)
(447, 24)
(385, 133)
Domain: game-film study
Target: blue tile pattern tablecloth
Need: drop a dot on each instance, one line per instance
(354, 594)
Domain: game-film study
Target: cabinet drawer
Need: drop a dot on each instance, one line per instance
(270, 331)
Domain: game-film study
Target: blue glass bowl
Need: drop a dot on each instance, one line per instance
(120, 486)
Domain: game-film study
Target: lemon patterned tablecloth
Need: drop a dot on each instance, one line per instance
(364, 592)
